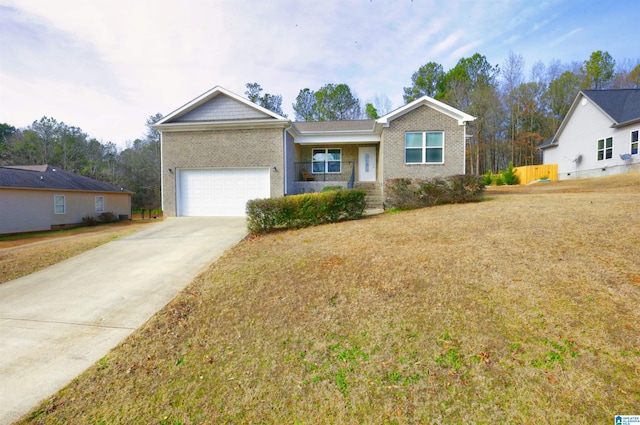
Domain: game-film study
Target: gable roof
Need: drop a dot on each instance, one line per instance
(454, 113)
(621, 106)
(219, 108)
(46, 177)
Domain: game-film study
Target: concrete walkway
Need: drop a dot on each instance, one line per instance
(57, 322)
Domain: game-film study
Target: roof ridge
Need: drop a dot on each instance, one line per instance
(35, 167)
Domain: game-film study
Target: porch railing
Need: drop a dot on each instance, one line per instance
(304, 171)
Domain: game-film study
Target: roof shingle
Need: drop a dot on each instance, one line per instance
(48, 177)
(623, 105)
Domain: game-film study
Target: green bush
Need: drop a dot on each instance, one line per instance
(330, 188)
(107, 217)
(304, 210)
(510, 177)
(404, 193)
(487, 178)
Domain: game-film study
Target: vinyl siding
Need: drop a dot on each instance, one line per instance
(222, 108)
(586, 125)
(32, 210)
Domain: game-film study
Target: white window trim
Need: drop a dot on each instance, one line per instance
(99, 208)
(423, 148)
(604, 149)
(636, 142)
(326, 161)
(55, 204)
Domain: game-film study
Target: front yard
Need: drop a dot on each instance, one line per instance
(522, 309)
(25, 254)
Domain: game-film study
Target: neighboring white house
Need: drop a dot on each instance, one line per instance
(599, 135)
(42, 197)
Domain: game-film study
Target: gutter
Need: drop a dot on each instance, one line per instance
(284, 157)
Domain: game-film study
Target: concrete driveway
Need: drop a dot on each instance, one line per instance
(57, 322)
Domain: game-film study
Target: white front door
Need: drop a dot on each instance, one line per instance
(367, 164)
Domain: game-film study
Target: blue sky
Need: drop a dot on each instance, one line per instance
(105, 66)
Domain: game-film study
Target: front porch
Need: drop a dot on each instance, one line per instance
(308, 182)
(309, 177)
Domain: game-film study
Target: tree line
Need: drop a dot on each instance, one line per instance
(48, 141)
(514, 114)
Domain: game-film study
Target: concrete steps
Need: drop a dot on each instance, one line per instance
(374, 197)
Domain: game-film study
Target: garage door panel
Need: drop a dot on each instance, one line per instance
(220, 192)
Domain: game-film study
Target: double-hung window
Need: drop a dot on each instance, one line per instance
(605, 148)
(99, 204)
(59, 204)
(634, 142)
(326, 161)
(425, 147)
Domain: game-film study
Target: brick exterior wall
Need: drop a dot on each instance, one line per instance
(241, 148)
(423, 118)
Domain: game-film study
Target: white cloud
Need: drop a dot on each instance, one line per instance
(106, 66)
(564, 37)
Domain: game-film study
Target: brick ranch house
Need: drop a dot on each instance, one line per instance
(221, 150)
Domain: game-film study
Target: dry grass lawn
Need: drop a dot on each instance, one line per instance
(519, 310)
(21, 255)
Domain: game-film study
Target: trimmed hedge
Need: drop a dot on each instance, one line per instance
(404, 193)
(304, 210)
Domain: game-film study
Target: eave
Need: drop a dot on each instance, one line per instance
(626, 123)
(58, 190)
(441, 107)
(222, 125)
(338, 138)
(205, 97)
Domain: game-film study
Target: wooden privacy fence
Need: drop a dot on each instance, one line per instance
(536, 172)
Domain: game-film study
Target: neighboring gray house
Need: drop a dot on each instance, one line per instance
(221, 150)
(42, 197)
(599, 135)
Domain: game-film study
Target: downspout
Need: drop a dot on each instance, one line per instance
(464, 152)
(285, 168)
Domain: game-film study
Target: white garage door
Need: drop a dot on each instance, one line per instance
(220, 192)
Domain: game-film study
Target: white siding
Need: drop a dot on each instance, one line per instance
(32, 210)
(222, 108)
(586, 125)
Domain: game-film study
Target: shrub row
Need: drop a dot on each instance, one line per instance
(507, 176)
(404, 193)
(103, 218)
(304, 210)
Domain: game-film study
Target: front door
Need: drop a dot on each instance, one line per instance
(367, 164)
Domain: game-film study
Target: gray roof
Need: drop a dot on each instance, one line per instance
(623, 105)
(51, 178)
(546, 143)
(344, 125)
